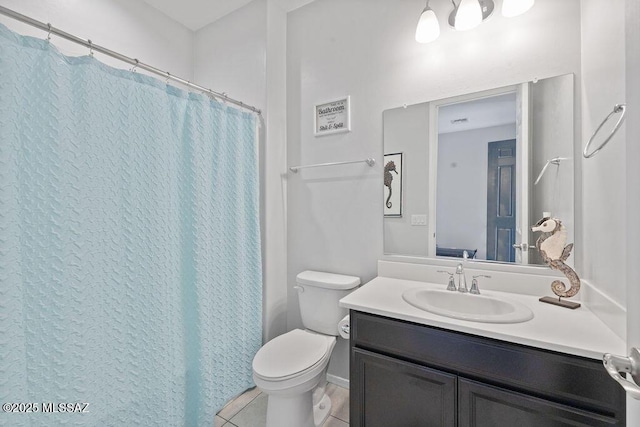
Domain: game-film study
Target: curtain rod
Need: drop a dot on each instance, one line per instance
(137, 64)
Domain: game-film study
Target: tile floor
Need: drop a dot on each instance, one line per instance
(250, 409)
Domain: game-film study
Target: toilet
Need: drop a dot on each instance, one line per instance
(291, 369)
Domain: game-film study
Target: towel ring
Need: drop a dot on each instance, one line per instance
(616, 109)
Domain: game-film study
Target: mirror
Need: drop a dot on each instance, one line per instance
(474, 172)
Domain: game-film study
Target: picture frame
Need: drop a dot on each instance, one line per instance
(332, 116)
(393, 185)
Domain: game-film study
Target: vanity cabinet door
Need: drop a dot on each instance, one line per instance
(482, 405)
(392, 393)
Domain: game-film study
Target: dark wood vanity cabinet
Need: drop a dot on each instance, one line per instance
(394, 392)
(404, 374)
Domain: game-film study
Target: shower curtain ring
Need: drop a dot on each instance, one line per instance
(49, 32)
(90, 47)
(133, 69)
(168, 77)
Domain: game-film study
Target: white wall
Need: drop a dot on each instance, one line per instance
(275, 172)
(230, 54)
(604, 177)
(131, 28)
(243, 54)
(611, 66)
(461, 201)
(366, 49)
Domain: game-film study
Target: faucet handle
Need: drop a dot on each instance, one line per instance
(474, 284)
(452, 283)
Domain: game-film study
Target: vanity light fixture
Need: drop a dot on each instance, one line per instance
(511, 8)
(428, 28)
(466, 15)
(465, 18)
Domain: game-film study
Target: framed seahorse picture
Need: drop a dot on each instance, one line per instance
(393, 185)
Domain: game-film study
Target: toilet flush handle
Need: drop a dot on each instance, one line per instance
(299, 288)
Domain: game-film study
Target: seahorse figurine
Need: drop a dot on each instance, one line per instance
(551, 245)
(390, 166)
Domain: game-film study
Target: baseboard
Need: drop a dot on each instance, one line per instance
(344, 383)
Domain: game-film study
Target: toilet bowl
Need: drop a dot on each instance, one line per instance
(291, 369)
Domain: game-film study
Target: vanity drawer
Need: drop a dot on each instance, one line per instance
(572, 380)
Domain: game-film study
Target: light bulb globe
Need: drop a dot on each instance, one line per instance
(511, 8)
(468, 16)
(428, 28)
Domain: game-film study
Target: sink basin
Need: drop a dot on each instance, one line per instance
(475, 308)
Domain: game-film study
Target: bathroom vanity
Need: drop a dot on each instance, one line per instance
(414, 368)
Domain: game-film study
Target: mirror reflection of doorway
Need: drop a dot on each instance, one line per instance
(476, 195)
(501, 201)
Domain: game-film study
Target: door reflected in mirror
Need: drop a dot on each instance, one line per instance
(469, 166)
(476, 178)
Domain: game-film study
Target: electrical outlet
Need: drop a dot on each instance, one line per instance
(419, 220)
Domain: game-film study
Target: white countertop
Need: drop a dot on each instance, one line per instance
(578, 332)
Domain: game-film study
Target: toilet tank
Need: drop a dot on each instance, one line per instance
(318, 295)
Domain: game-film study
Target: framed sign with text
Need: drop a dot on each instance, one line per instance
(332, 117)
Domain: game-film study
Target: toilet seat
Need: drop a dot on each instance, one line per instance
(291, 355)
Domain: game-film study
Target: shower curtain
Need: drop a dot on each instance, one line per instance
(130, 264)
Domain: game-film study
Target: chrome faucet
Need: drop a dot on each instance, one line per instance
(474, 284)
(452, 282)
(462, 279)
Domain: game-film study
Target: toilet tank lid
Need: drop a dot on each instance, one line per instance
(327, 280)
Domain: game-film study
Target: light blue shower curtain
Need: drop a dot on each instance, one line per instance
(130, 269)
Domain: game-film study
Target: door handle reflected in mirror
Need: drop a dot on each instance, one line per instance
(523, 246)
